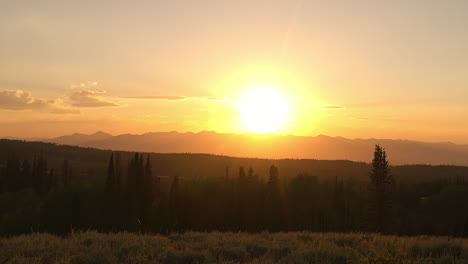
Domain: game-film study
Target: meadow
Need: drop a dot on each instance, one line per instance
(220, 247)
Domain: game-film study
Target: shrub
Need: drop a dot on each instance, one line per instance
(235, 254)
(256, 250)
(185, 257)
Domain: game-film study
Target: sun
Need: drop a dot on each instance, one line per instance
(263, 109)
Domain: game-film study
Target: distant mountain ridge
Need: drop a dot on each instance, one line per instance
(77, 138)
(273, 146)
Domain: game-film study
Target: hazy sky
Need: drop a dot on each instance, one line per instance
(382, 69)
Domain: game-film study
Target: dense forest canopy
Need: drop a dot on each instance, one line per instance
(91, 164)
(55, 188)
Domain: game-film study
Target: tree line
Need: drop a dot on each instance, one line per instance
(19, 175)
(35, 197)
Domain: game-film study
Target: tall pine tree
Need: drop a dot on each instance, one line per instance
(112, 200)
(147, 196)
(175, 205)
(273, 205)
(40, 177)
(380, 207)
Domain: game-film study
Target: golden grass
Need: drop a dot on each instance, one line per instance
(217, 247)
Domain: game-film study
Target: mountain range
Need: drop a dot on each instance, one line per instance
(320, 147)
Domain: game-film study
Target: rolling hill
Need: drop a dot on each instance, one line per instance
(321, 147)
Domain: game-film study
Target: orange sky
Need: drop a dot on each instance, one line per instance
(370, 69)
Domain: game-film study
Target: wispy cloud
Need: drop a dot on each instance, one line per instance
(160, 97)
(21, 100)
(216, 98)
(84, 85)
(65, 111)
(334, 107)
(176, 98)
(90, 98)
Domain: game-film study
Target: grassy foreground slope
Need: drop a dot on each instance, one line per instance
(217, 247)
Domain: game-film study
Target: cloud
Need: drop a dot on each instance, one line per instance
(334, 107)
(216, 98)
(89, 98)
(65, 111)
(20, 100)
(176, 98)
(160, 97)
(84, 86)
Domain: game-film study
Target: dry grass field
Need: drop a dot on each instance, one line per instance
(216, 247)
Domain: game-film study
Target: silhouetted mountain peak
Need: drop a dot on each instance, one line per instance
(101, 134)
(273, 146)
(75, 135)
(322, 136)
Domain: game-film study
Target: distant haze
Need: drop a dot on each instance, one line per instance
(357, 69)
(273, 146)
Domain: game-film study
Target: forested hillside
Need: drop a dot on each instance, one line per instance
(91, 163)
(273, 146)
(54, 188)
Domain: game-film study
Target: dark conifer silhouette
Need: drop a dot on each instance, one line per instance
(118, 179)
(147, 195)
(77, 212)
(112, 199)
(26, 175)
(40, 176)
(250, 174)
(66, 173)
(380, 193)
(273, 206)
(175, 203)
(241, 173)
(338, 204)
(304, 199)
(51, 181)
(257, 200)
(135, 192)
(12, 180)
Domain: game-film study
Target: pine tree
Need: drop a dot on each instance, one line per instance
(241, 173)
(40, 176)
(77, 212)
(174, 202)
(338, 205)
(250, 193)
(131, 192)
(303, 198)
(51, 182)
(381, 187)
(135, 192)
(66, 173)
(147, 194)
(12, 177)
(26, 174)
(110, 180)
(118, 176)
(112, 199)
(34, 176)
(273, 205)
(250, 173)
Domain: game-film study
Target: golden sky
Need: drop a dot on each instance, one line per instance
(358, 69)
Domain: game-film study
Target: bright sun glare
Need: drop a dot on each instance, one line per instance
(263, 109)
